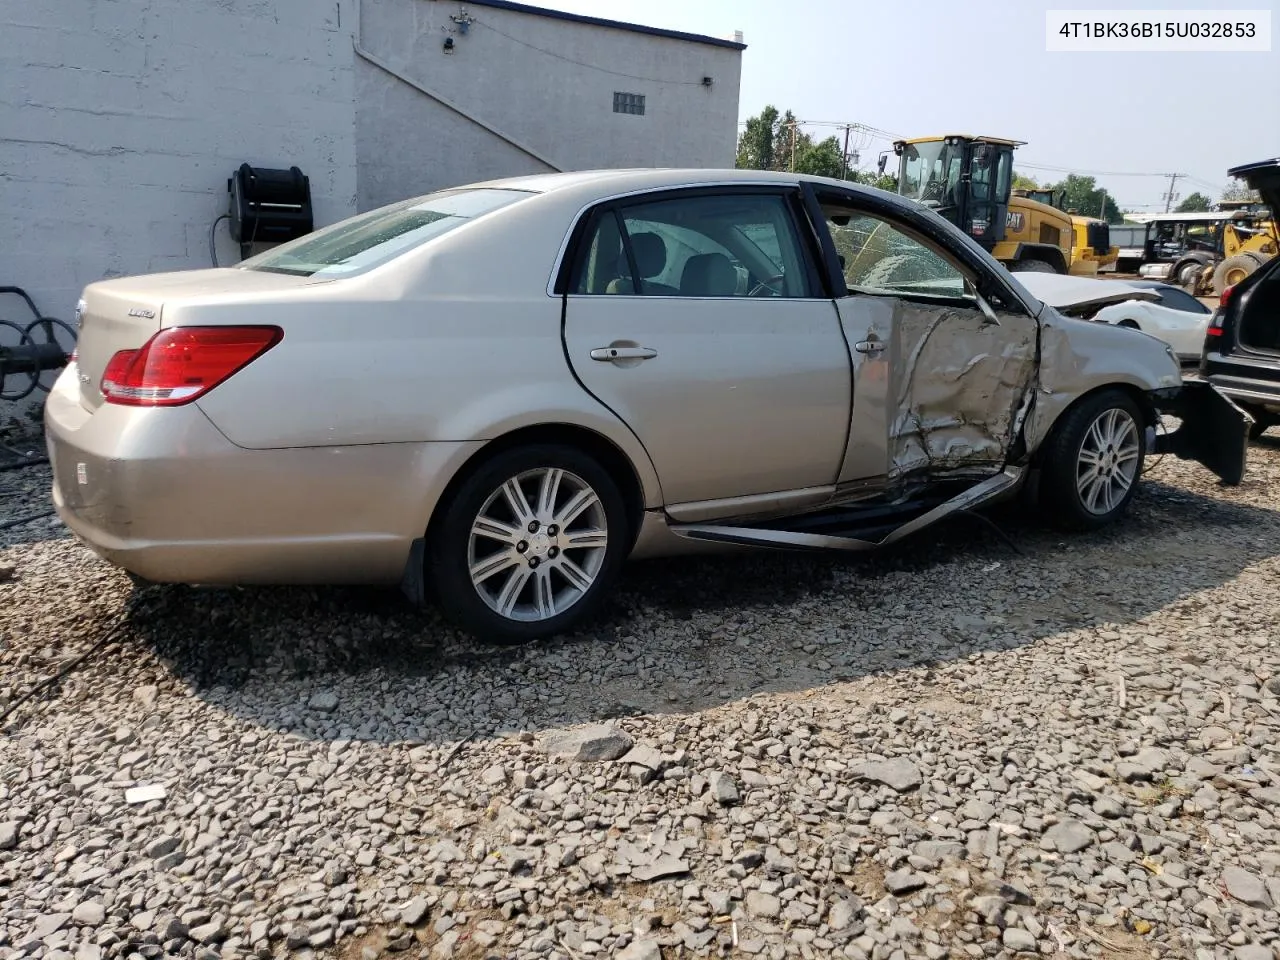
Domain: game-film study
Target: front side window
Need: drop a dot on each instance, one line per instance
(880, 258)
(930, 173)
(371, 239)
(699, 246)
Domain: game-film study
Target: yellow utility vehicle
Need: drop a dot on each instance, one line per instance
(968, 180)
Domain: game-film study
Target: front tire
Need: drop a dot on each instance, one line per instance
(1093, 461)
(530, 545)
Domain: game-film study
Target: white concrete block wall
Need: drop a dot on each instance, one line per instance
(121, 120)
(545, 82)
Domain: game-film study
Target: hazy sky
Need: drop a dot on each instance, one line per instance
(933, 66)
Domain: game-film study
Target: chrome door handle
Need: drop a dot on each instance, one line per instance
(623, 353)
(869, 346)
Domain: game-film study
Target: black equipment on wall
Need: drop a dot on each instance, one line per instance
(268, 206)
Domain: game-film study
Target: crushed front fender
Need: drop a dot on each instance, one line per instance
(1213, 430)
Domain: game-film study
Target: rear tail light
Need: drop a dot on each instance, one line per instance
(1226, 297)
(180, 364)
(1215, 325)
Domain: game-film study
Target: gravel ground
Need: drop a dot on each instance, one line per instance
(948, 750)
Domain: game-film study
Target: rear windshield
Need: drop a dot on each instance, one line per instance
(370, 239)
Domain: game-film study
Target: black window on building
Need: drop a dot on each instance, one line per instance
(628, 103)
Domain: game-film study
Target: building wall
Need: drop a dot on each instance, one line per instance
(121, 120)
(545, 83)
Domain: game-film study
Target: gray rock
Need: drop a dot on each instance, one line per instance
(89, 914)
(663, 866)
(88, 951)
(763, 906)
(640, 950)
(902, 882)
(1246, 887)
(1109, 808)
(1070, 836)
(208, 933)
(936, 851)
(844, 910)
(1147, 764)
(717, 900)
(325, 701)
(147, 695)
(162, 847)
(48, 925)
(9, 834)
(494, 776)
(977, 810)
(414, 912)
(1018, 939)
(723, 788)
(900, 774)
(1253, 951)
(590, 744)
(643, 755)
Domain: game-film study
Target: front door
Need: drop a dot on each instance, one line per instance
(941, 377)
(699, 317)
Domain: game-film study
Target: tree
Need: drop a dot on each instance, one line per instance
(823, 159)
(1196, 203)
(772, 141)
(1022, 182)
(1083, 196)
(1238, 191)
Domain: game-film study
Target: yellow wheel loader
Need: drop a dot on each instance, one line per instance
(968, 180)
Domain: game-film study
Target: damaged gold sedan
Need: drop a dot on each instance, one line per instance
(495, 395)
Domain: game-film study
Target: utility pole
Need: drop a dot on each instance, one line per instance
(1169, 197)
(794, 124)
(844, 157)
(1102, 209)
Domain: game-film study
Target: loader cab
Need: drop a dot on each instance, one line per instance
(966, 180)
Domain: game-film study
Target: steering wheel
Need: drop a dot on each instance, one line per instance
(767, 284)
(933, 190)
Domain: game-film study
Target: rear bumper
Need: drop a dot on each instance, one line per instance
(1246, 389)
(163, 494)
(1214, 431)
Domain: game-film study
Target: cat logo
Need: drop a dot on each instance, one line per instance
(1013, 221)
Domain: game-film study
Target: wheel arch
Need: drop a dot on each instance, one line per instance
(592, 442)
(1144, 400)
(1045, 252)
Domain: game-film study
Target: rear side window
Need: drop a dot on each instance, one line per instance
(702, 245)
(371, 239)
(1176, 299)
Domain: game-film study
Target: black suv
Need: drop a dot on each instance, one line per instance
(1242, 343)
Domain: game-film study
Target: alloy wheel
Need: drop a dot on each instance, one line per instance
(537, 544)
(1107, 464)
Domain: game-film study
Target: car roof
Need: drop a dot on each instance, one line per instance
(585, 187)
(646, 177)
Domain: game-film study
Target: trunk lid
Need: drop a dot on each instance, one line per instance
(122, 314)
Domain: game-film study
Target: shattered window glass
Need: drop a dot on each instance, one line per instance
(877, 258)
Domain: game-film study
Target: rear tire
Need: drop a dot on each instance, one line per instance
(530, 545)
(1032, 266)
(1092, 463)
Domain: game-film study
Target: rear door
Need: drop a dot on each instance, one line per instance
(941, 373)
(699, 317)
